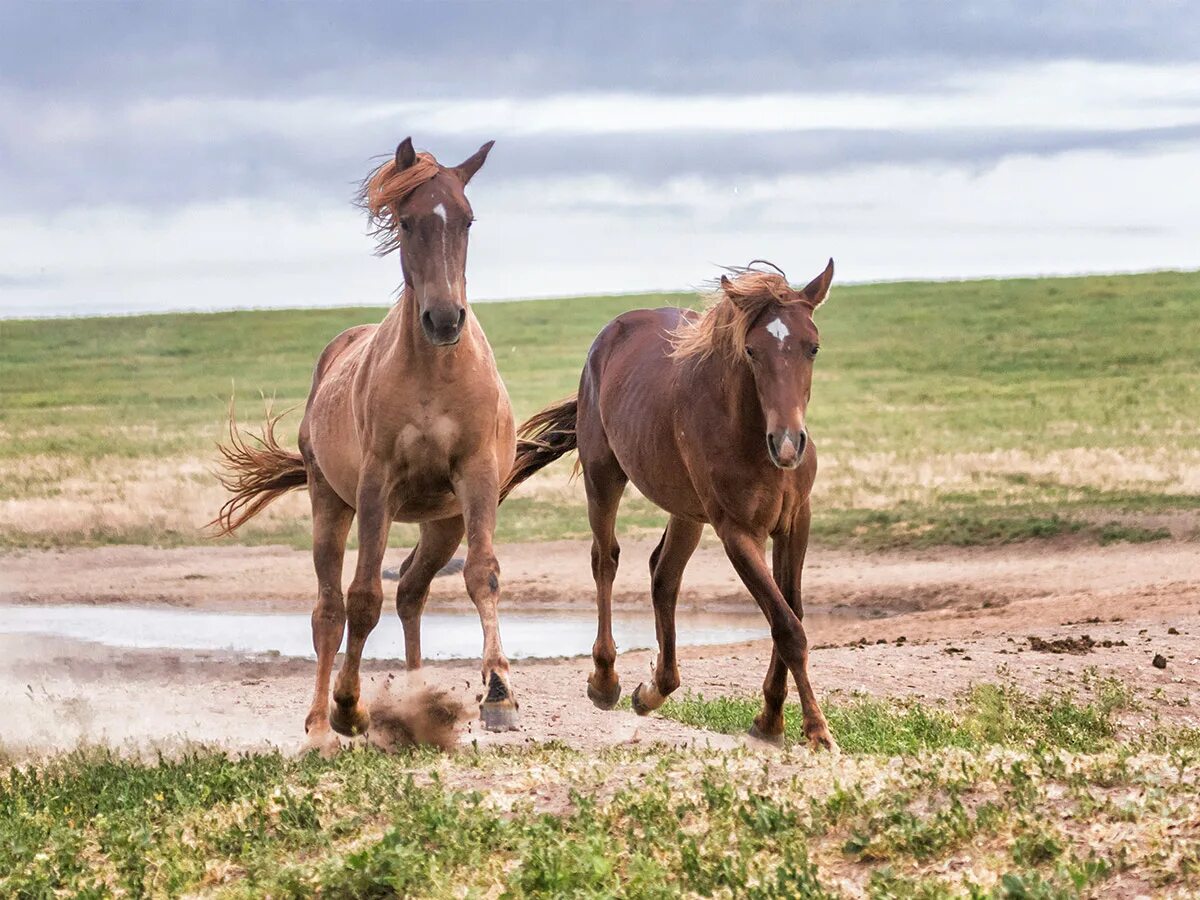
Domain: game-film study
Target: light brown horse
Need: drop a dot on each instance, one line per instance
(407, 421)
(706, 415)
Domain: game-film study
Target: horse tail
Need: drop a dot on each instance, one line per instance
(542, 439)
(255, 473)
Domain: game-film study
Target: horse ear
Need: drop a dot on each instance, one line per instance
(817, 290)
(469, 166)
(405, 155)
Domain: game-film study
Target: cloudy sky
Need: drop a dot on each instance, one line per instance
(198, 156)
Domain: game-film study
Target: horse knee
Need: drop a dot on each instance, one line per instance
(330, 609)
(482, 575)
(605, 564)
(363, 608)
(789, 638)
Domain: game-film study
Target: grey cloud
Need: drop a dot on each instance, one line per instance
(432, 49)
(158, 172)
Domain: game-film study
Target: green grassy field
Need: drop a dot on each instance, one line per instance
(945, 413)
(1047, 797)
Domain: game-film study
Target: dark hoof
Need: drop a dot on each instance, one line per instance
(499, 715)
(602, 700)
(638, 706)
(775, 740)
(350, 722)
(498, 711)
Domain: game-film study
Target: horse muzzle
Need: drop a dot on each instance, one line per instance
(443, 326)
(786, 447)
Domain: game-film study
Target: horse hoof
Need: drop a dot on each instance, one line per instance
(604, 701)
(822, 740)
(499, 715)
(639, 706)
(775, 740)
(350, 722)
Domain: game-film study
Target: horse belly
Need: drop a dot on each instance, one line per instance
(333, 438)
(649, 456)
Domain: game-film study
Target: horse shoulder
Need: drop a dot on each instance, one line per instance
(336, 349)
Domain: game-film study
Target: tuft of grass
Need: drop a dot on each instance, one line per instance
(986, 715)
(1114, 532)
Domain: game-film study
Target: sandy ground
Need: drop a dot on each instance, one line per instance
(965, 616)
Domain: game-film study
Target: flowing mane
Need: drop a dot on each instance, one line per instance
(384, 188)
(731, 310)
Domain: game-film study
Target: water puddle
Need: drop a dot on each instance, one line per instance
(444, 635)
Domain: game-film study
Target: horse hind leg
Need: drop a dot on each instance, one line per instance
(679, 542)
(438, 542)
(605, 482)
(331, 524)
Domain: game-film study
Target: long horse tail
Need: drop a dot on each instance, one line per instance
(542, 439)
(256, 471)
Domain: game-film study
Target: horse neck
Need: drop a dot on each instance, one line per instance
(731, 384)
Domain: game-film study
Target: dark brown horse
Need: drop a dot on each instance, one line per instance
(706, 415)
(407, 421)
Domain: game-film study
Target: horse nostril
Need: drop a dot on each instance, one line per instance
(462, 316)
(427, 321)
(772, 446)
(801, 441)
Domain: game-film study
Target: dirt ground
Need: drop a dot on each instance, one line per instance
(964, 616)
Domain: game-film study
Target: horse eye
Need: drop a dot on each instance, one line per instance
(749, 353)
(813, 352)
(405, 225)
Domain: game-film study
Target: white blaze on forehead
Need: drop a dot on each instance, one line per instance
(440, 212)
(778, 330)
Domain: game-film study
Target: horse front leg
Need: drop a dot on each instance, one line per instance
(331, 524)
(791, 644)
(478, 491)
(364, 601)
(788, 564)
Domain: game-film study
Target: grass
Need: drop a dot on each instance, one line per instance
(945, 413)
(987, 715)
(1040, 792)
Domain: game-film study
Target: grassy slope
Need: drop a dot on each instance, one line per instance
(1038, 794)
(993, 384)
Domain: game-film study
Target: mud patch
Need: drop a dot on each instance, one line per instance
(1080, 645)
(413, 714)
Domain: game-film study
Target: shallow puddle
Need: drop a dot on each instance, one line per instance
(444, 635)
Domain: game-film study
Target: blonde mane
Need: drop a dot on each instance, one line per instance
(384, 188)
(731, 310)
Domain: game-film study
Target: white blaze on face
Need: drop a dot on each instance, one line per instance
(778, 330)
(440, 212)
